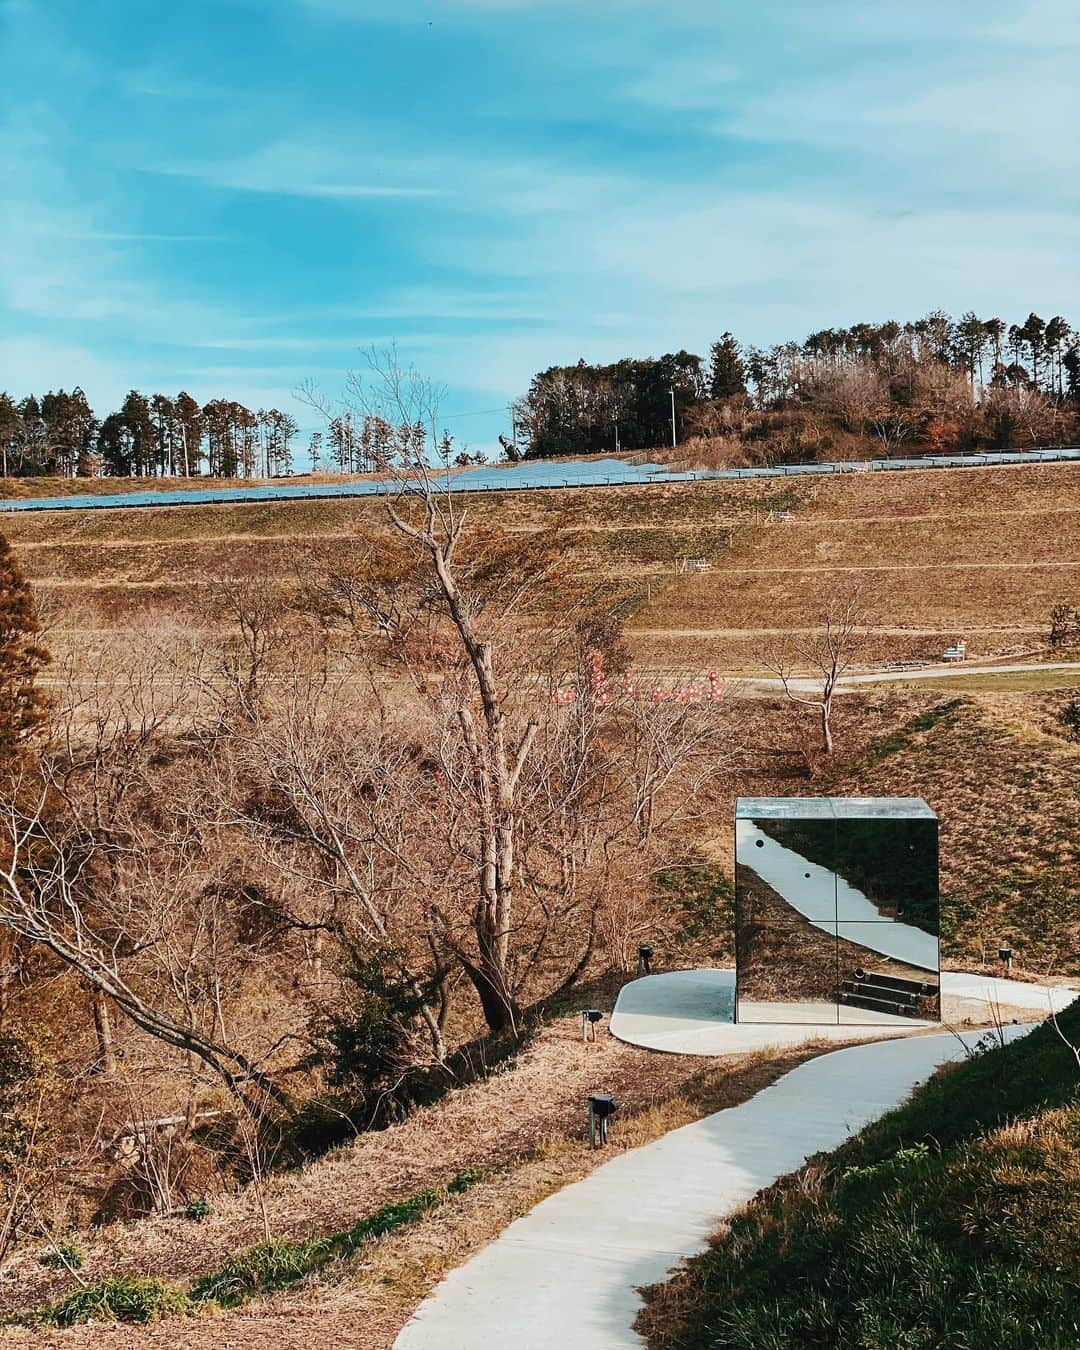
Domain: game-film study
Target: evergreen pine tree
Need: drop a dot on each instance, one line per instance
(727, 371)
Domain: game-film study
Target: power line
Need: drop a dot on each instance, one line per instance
(480, 412)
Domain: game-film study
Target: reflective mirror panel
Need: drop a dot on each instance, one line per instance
(792, 864)
(884, 977)
(836, 910)
(887, 872)
(786, 972)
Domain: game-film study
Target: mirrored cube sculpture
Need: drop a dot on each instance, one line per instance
(836, 910)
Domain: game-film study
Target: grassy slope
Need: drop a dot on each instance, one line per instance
(356, 1269)
(982, 552)
(1019, 681)
(1007, 790)
(1000, 774)
(953, 1221)
(97, 570)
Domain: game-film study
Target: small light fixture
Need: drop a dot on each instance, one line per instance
(644, 960)
(602, 1106)
(589, 1019)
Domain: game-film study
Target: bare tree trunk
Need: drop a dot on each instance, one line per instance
(103, 1028)
(9, 967)
(826, 728)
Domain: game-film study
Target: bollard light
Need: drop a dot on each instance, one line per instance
(589, 1019)
(644, 960)
(602, 1106)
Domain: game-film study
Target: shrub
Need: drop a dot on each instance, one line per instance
(197, 1210)
(66, 1255)
(1069, 717)
(369, 1043)
(1064, 625)
(124, 1299)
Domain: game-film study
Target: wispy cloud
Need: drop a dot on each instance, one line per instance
(119, 236)
(299, 168)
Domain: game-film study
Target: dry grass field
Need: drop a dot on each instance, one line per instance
(521, 1126)
(978, 553)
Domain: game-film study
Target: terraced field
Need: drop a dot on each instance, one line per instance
(981, 553)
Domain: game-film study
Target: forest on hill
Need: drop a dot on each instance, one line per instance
(160, 436)
(936, 384)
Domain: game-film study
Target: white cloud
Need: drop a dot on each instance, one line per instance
(130, 237)
(307, 168)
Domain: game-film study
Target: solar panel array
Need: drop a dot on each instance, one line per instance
(524, 476)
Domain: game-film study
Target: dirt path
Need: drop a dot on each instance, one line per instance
(926, 673)
(869, 630)
(892, 567)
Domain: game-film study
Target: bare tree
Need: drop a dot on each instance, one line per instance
(105, 864)
(811, 667)
(532, 799)
(319, 784)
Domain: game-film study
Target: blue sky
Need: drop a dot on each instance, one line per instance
(231, 197)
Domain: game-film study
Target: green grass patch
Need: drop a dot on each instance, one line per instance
(275, 1265)
(701, 899)
(260, 1270)
(124, 1299)
(785, 499)
(954, 1221)
(1019, 681)
(902, 737)
(66, 1255)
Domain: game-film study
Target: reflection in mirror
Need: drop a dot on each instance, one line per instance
(836, 910)
(879, 982)
(786, 971)
(791, 863)
(888, 870)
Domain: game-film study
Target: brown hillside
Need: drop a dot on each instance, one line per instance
(983, 553)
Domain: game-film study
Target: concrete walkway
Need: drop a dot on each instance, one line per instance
(565, 1277)
(691, 1012)
(761, 684)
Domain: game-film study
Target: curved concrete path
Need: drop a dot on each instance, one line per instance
(691, 1012)
(565, 1277)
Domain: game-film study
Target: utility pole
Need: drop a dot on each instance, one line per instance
(673, 415)
(616, 435)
